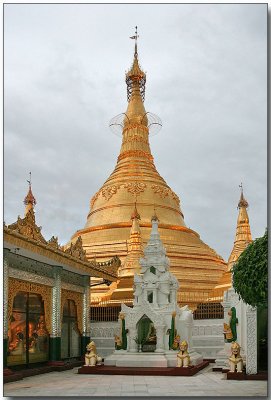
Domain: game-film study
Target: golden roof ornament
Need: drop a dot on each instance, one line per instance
(53, 242)
(135, 77)
(76, 250)
(27, 227)
(154, 217)
(242, 201)
(135, 214)
(29, 199)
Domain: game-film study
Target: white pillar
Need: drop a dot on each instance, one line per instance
(86, 308)
(160, 330)
(132, 345)
(155, 297)
(56, 303)
(5, 293)
(251, 364)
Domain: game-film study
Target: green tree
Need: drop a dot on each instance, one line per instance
(250, 273)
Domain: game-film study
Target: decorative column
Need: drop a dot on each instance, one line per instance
(230, 299)
(132, 344)
(5, 305)
(160, 338)
(155, 297)
(251, 361)
(173, 296)
(85, 338)
(55, 336)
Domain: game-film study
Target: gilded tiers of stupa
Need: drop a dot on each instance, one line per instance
(242, 239)
(135, 179)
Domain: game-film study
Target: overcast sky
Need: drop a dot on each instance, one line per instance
(64, 80)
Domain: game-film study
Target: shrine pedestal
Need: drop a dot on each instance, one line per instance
(122, 358)
(136, 360)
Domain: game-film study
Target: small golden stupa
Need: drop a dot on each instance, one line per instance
(135, 179)
(242, 239)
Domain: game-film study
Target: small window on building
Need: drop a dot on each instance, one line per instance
(150, 297)
(153, 270)
(169, 298)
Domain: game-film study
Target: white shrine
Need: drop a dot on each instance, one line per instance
(155, 314)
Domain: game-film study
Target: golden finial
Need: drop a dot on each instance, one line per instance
(135, 214)
(121, 315)
(154, 217)
(29, 200)
(135, 77)
(135, 38)
(242, 201)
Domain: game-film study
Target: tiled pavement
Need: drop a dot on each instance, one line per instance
(69, 383)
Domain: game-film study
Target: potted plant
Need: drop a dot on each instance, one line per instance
(139, 343)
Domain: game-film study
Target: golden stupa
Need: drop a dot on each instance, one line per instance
(242, 239)
(136, 180)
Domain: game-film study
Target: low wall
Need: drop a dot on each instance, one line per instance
(207, 336)
(103, 333)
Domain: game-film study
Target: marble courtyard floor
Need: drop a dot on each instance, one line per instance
(69, 383)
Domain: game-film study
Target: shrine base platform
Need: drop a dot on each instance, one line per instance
(166, 359)
(241, 376)
(159, 371)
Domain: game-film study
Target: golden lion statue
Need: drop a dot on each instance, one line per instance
(183, 358)
(91, 356)
(235, 360)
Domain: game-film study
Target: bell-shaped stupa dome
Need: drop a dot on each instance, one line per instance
(135, 179)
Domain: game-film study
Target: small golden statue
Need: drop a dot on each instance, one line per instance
(176, 342)
(91, 356)
(118, 343)
(235, 360)
(16, 332)
(227, 332)
(183, 358)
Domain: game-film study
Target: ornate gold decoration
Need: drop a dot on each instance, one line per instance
(135, 126)
(135, 187)
(175, 197)
(136, 138)
(109, 191)
(16, 285)
(27, 226)
(135, 153)
(78, 299)
(162, 191)
(76, 250)
(94, 198)
(53, 242)
(112, 264)
(60, 256)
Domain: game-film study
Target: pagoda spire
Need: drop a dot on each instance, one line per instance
(243, 234)
(242, 239)
(135, 249)
(136, 80)
(29, 199)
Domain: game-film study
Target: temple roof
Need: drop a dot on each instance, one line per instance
(27, 236)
